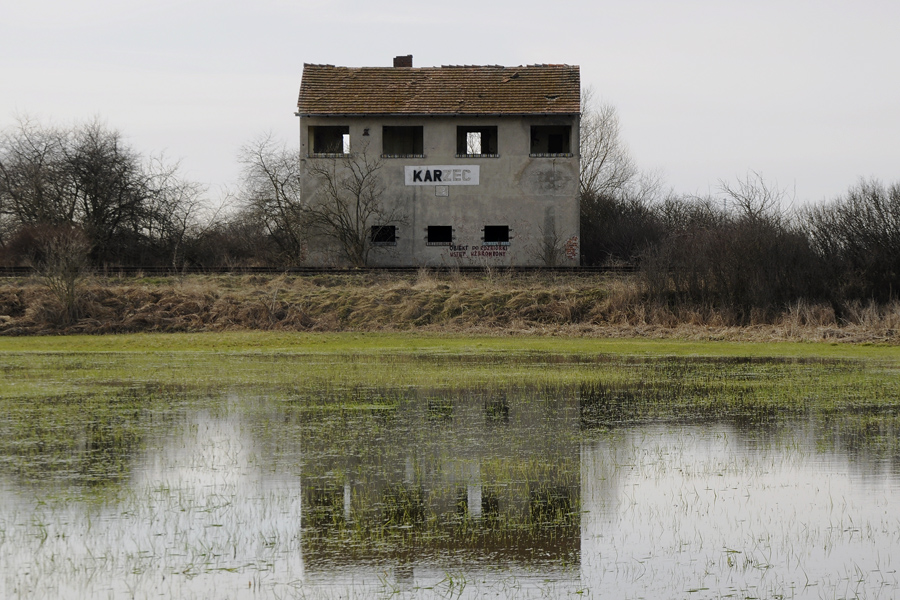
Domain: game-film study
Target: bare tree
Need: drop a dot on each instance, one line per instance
(88, 177)
(108, 186)
(34, 186)
(606, 166)
(616, 220)
(271, 194)
(756, 199)
(678, 215)
(348, 205)
(176, 210)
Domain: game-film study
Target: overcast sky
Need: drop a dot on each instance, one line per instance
(806, 93)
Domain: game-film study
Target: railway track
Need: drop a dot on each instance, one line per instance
(135, 271)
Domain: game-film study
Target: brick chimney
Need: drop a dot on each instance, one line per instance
(403, 61)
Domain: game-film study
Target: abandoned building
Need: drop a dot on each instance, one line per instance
(444, 166)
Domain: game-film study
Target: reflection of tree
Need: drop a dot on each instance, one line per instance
(867, 436)
(89, 442)
(602, 477)
(109, 447)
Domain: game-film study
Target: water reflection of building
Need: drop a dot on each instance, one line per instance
(498, 487)
(482, 474)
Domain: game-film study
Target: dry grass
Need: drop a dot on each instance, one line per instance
(494, 303)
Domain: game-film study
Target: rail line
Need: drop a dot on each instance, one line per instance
(139, 271)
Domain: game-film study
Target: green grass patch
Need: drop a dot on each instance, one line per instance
(353, 368)
(342, 343)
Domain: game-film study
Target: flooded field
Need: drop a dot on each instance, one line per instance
(448, 476)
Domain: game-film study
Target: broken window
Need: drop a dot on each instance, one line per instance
(384, 235)
(475, 142)
(496, 235)
(328, 140)
(402, 142)
(551, 140)
(439, 235)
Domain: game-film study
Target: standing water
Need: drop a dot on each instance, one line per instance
(650, 488)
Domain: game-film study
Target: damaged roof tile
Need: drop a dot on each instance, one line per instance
(463, 90)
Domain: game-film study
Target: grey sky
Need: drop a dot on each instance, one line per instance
(804, 92)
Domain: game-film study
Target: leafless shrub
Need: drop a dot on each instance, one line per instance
(858, 238)
(617, 228)
(750, 258)
(60, 255)
(550, 247)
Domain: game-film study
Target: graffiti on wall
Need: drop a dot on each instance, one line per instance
(479, 251)
(571, 247)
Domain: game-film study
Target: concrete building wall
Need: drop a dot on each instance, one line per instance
(535, 197)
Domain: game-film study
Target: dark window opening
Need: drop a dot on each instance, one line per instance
(476, 141)
(329, 139)
(556, 143)
(384, 235)
(496, 234)
(403, 142)
(439, 235)
(551, 140)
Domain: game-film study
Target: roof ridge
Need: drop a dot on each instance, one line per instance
(389, 68)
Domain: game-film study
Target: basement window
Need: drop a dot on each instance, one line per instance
(402, 142)
(384, 235)
(329, 141)
(476, 142)
(439, 235)
(551, 141)
(496, 235)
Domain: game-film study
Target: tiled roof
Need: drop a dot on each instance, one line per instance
(453, 90)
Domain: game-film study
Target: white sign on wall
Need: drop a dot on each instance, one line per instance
(442, 175)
